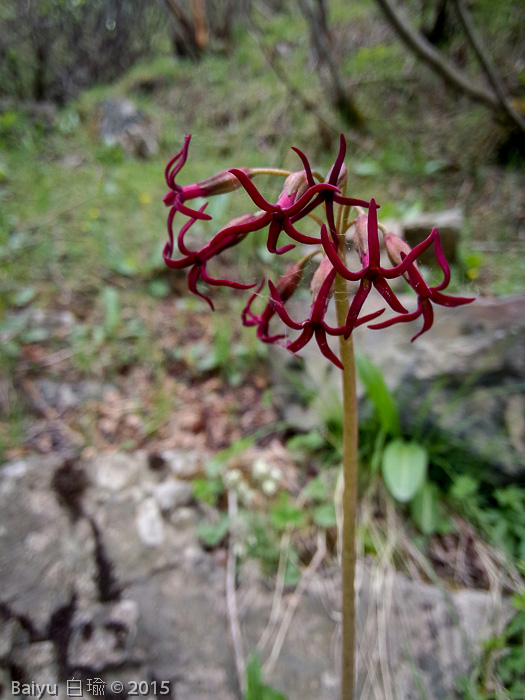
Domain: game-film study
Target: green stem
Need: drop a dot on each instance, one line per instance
(348, 557)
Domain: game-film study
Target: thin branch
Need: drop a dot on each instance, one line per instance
(490, 71)
(231, 598)
(428, 54)
(294, 602)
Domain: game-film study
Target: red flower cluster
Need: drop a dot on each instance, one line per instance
(300, 197)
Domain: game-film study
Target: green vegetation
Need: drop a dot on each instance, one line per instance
(84, 294)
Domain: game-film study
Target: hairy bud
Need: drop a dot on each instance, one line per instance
(322, 272)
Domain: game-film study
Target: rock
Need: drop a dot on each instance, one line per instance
(121, 123)
(103, 636)
(449, 224)
(173, 493)
(102, 580)
(464, 377)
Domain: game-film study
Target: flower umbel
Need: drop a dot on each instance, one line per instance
(304, 194)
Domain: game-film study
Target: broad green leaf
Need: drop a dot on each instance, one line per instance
(379, 394)
(324, 515)
(425, 509)
(255, 688)
(285, 513)
(212, 533)
(404, 469)
(111, 303)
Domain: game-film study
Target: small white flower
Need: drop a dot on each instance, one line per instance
(231, 478)
(269, 487)
(260, 470)
(275, 474)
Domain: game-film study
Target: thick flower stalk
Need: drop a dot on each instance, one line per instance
(306, 195)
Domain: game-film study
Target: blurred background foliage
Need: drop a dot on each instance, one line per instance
(83, 291)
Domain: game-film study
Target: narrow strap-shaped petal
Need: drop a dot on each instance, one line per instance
(355, 307)
(336, 168)
(351, 201)
(405, 318)
(176, 264)
(193, 277)
(193, 213)
(223, 282)
(251, 190)
(280, 310)
(307, 196)
(218, 242)
(445, 300)
(368, 317)
(428, 318)
(442, 261)
(331, 253)
(298, 236)
(306, 165)
(247, 311)
(274, 232)
(301, 341)
(373, 236)
(179, 160)
(408, 259)
(321, 301)
(180, 238)
(326, 349)
(388, 295)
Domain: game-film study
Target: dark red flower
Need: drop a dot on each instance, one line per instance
(286, 286)
(198, 260)
(398, 250)
(366, 242)
(315, 324)
(292, 204)
(337, 177)
(217, 184)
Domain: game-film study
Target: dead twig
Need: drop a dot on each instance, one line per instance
(231, 596)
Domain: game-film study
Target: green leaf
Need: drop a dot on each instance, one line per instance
(308, 442)
(255, 688)
(208, 490)
(324, 515)
(212, 533)
(315, 490)
(404, 469)
(464, 487)
(159, 289)
(425, 509)
(284, 513)
(111, 304)
(379, 394)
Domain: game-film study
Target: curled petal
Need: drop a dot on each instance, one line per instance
(306, 165)
(405, 318)
(373, 235)
(442, 261)
(247, 316)
(223, 282)
(252, 191)
(388, 295)
(445, 300)
(180, 238)
(331, 254)
(280, 310)
(193, 278)
(177, 163)
(336, 168)
(326, 349)
(273, 236)
(301, 341)
(355, 307)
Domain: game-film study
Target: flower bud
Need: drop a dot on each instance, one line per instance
(289, 282)
(394, 247)
(361, 238)
(294, 187)
(322, 272)
(222, 182)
